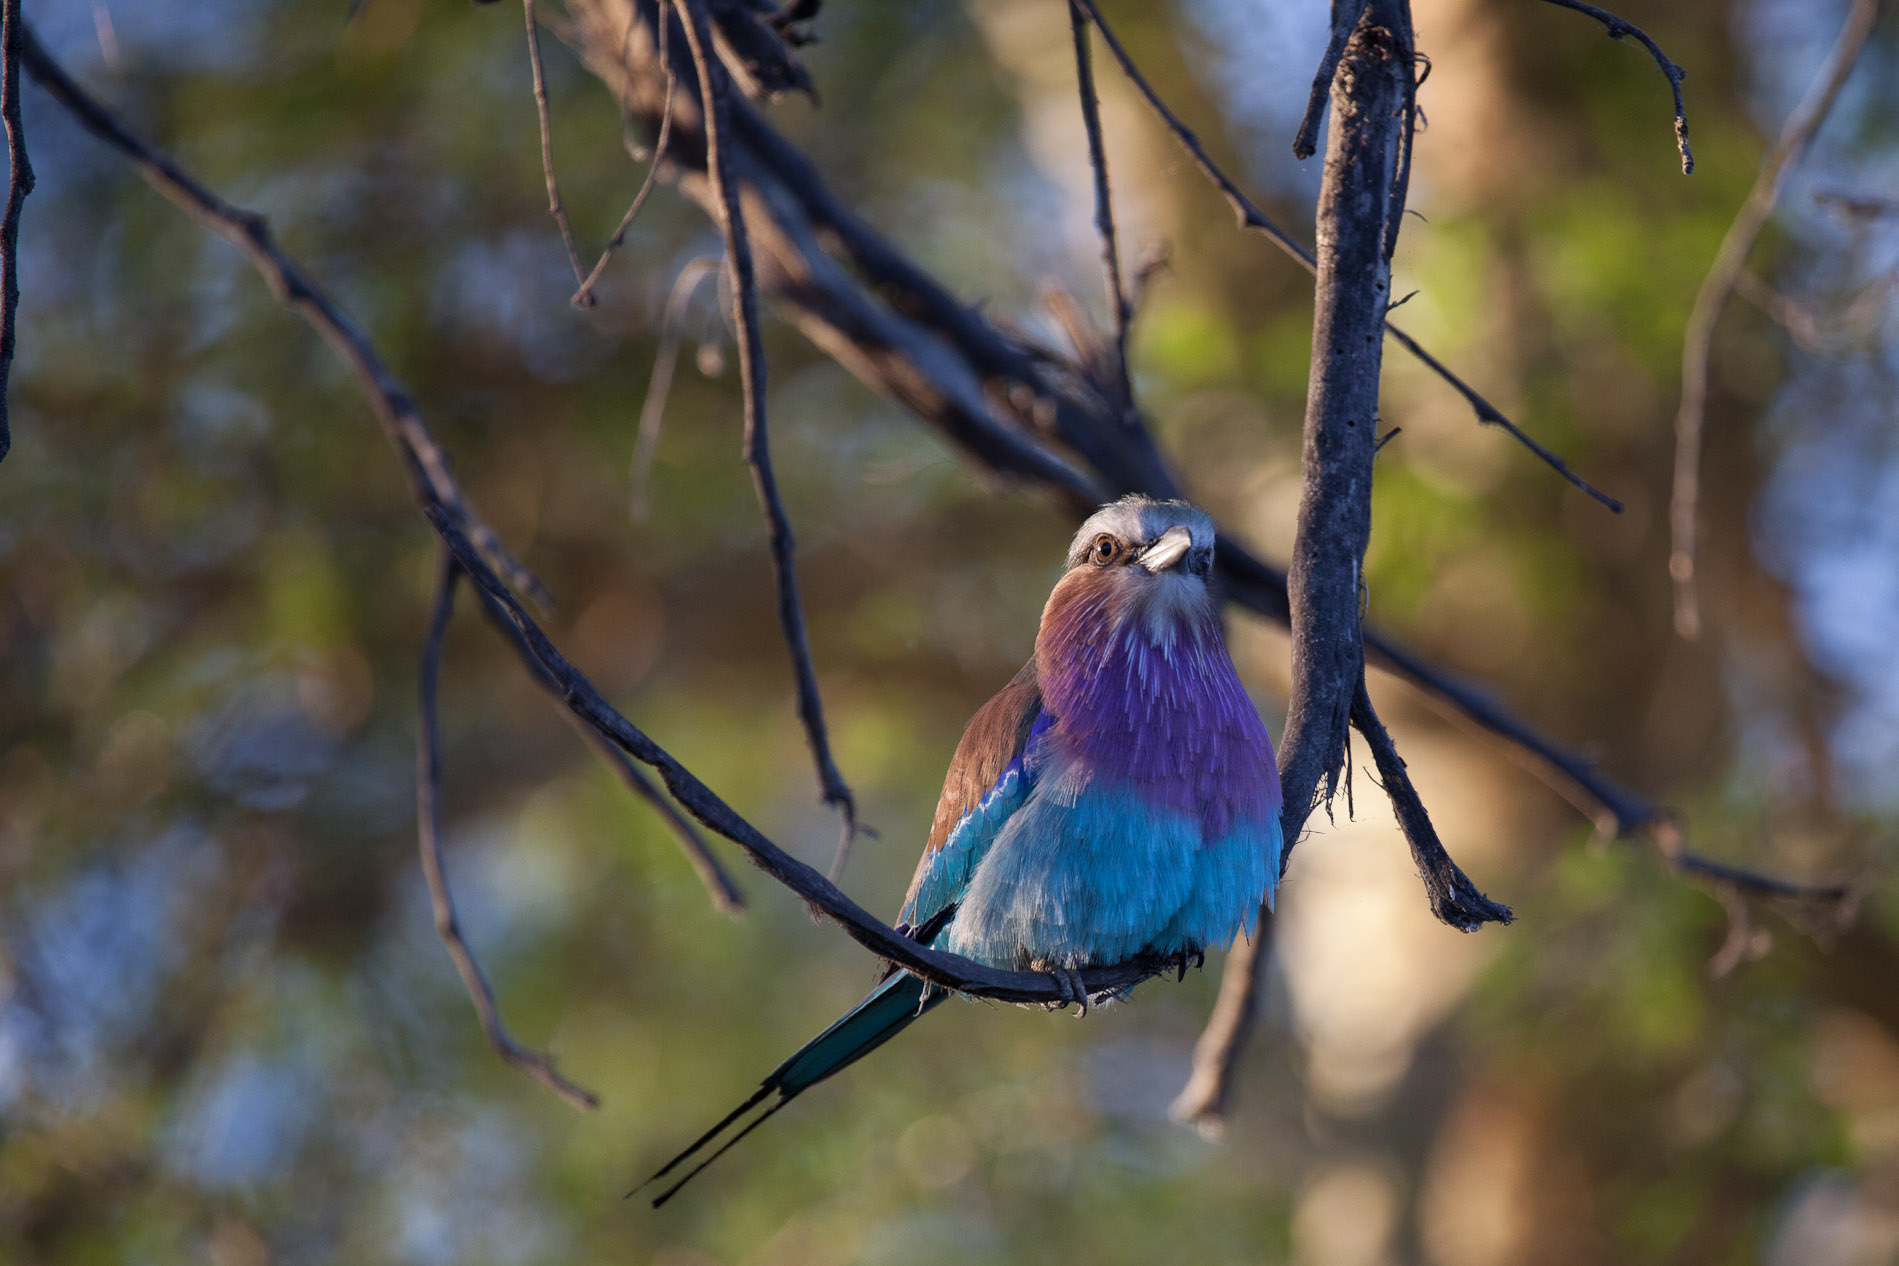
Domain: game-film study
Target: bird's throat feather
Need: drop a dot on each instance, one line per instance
(1150, 698)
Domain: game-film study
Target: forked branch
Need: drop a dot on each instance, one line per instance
(428, 830)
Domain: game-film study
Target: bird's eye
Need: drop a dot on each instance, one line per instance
(1105, 550)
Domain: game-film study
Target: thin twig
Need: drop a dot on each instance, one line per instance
(1345, 14)
(19, 184)
(1123, 311)
(1202, 1102)
(714, 97)
(720, 886)
(583, 297)
(1454, 898)
(1617, 28)
(554, 205)
(653, 410)
(1489, 413)
(1698, 338)
(428, 796)
(1249, 216)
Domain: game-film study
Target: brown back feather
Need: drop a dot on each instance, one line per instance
(995, 736)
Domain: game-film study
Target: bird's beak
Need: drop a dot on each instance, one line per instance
(1173, 546)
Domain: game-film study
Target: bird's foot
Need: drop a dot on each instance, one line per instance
(1185, 958)
(1068, 985)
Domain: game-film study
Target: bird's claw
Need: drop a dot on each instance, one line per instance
(1068, 985)
(1185, 958)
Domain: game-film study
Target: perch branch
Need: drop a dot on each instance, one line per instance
(715, 95)
(580, 696)
(1617, 28)
(428, 797)
(1729, 262)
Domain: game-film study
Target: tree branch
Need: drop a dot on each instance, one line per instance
(19, 184)
(715, 95)
(1454, 898)
(1617, 28)
(1356, 206)
(659, 387)
(1345, 15)
(1729, 262)
(1359, 202)
(428, 796)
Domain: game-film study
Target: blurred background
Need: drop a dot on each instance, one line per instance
(227, 1030)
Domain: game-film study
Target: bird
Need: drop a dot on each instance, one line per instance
(1118, 797)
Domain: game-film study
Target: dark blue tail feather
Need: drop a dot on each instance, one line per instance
(887, 1011)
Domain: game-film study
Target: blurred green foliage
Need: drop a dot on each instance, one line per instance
(227, 1031)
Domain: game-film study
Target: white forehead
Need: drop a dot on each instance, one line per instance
(1138, 520)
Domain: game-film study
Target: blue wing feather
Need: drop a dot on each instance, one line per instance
(988, 781)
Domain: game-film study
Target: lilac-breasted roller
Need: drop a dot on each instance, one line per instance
(1118, 797)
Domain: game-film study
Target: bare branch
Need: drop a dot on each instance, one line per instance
(19, 184)
(1617, 28)
(554, 206)
(1249, 216)
(1202, 1102)
(715, 94)
(1729, 262)
(583, 297)
(653, 411)
(1104, 205)
(1355, 209)
(1454, 898)
(428, 795)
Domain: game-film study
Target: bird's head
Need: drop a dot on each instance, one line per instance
(1142, 559)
